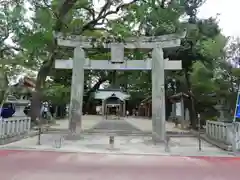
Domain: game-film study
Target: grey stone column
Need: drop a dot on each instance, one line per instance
(182, 113)
(158, 94)
(103, 109)
(124, 108)
(77, 89)
(173, 113)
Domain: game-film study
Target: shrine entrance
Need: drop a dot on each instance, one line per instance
(113, 103)
(157, 64)
(113, 108)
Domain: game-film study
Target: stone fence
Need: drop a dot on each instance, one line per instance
(227, 133)
(14, 126)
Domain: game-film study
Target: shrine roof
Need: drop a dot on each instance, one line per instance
(111, 92)
(179, 95)
(112, 89)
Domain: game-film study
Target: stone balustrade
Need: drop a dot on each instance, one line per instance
(219, 131)
(14, 126)
(227, 133)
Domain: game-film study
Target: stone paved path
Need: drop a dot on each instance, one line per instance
(146, 124)
(135, 124)
(115, 125)
(88, 121)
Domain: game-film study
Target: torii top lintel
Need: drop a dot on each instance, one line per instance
(143, 42)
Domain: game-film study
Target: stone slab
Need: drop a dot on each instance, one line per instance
(126, 65)
(129, 45)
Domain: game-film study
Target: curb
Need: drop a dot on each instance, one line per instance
(59, 150)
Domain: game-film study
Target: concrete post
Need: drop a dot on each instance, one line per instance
(124, 108)
(77, 89)
(28, 128)
(158, 94)
(182, 113)
(173, 112)
(103, 109)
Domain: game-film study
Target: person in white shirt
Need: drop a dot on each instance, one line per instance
(127, 113)
(44, 110)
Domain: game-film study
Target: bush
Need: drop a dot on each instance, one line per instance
(214, 118)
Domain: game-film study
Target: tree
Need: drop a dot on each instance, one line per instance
(203, 42)
(68, 16)
(12, 22)
(122, 27)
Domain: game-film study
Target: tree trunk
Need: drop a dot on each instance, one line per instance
(192, 108)
(40, 82)
(66, 6)
(114, 79)
(36, 96)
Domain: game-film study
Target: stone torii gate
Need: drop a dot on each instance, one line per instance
(157, 64)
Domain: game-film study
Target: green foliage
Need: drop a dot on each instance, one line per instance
(57, 94)
(215, 118)
(202, 79)
(12, 22)
(236, 72)
(203, 43)
(153, 19)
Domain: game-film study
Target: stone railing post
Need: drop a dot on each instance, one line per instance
(1, 127)
(29, 125)
(219, 131)
(14, 126)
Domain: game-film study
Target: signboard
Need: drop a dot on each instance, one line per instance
(237, 114)
(178, 109)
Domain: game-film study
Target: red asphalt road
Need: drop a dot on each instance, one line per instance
(36, 165)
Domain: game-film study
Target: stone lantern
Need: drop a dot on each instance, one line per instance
(222, 109)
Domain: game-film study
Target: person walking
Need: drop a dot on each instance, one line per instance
(44, 111)
(127, 113)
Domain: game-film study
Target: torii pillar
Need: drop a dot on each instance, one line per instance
(158, 95)
(77, 89)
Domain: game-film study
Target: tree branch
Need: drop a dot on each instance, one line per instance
(103, 14)
(90, 11)
(105, 8)
(64, 9)
(6, 32)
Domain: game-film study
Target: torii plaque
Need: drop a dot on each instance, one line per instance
(157, 64)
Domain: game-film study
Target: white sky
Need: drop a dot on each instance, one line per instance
(229, 11)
